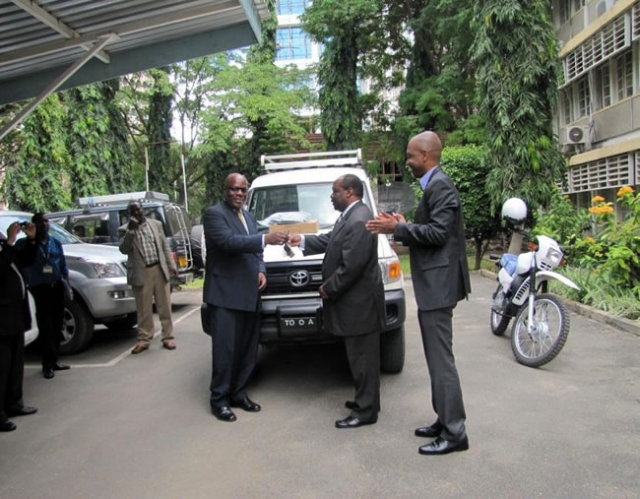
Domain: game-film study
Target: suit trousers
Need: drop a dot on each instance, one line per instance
(234, 343)
(11, 373)
(436, 327)
(155, 286)
(363, 352)
(49, 300)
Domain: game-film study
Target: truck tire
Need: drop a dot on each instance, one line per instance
(77, 328)
(198, 246)
(124, 324)
(392, 351)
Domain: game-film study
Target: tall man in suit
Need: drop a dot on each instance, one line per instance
(16, 319)
(149, 270)
(440, 279)
(352, 294)
(234, 276)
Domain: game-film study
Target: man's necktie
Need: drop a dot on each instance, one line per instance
(242, 220)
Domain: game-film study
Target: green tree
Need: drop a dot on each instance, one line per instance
(161, 170)
(38, 164)
(516, 52)
(342, 26)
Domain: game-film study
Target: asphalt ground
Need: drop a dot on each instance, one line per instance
(123, 426)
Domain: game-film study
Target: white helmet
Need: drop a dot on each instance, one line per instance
(514, 210)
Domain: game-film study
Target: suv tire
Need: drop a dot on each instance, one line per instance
(392, 351)
(77, 328)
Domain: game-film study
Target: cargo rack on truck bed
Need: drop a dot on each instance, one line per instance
(281, 162)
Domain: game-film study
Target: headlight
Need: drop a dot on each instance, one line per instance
(554, 256)
(390, 269)
(106, 269)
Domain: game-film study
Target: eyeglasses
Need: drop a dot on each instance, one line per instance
(243, 190)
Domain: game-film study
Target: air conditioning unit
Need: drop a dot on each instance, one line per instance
(577, 135)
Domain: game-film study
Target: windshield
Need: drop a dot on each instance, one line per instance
(55, 230)
(281, 204)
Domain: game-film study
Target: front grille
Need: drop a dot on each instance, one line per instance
(280, 278)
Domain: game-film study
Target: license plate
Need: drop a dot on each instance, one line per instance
(291, 324)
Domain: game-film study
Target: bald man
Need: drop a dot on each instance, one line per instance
(235, 274)
(440, 277)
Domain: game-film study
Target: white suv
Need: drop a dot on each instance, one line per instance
(297, 189)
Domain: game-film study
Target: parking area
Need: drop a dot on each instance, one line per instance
(117, 425)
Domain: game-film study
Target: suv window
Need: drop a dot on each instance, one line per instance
(91, 228)
(294, 203)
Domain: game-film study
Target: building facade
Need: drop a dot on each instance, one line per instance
(598, 117)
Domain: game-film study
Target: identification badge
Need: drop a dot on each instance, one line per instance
(47, 269)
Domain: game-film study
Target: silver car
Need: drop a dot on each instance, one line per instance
(98, 278)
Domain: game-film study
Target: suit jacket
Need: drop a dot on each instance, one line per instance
(351, 275)
(234, 259)
(439, 268)
(130, 245)
(14, 304)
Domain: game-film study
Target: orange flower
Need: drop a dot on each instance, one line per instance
(623, 191)
(597, 199)
(590, 240)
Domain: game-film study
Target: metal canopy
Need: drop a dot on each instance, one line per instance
(40, 40)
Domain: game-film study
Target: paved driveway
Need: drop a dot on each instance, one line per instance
(122, 426)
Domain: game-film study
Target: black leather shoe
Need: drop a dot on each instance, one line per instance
(60, 367)
(350, 404)
(351, 422)
(441, 446)
(432, 431)
(7, 425)
(48, 373)
(224, 413)
(246, 404)
(22, 411)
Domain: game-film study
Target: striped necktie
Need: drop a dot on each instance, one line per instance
(242, 220)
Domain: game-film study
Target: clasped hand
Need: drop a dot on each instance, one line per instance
(276, 238)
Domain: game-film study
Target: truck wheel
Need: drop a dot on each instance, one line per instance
(125, 324)
(77, 328)
(392, 351)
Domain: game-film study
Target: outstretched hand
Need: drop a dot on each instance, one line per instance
(384, 223)
(295, 240)
(276, 238)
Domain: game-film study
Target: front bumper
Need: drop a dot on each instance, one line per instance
(106, 297)
(277, 312)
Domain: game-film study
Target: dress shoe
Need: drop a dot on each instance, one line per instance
(139, 348)
(169, 344)
(7, 425)
(432, 431)
(48, 373)
(441, 446)
(22, 411)
(224, 413)
(351, 422)
(60, 367)
(246, 404)
(350, 404)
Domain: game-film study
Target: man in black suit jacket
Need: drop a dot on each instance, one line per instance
(352, 294)
(440, 277)
(16, 319)
(234, 276)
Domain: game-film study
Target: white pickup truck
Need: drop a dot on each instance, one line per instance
(296, 188)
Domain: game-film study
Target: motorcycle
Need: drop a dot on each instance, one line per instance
(542, 323)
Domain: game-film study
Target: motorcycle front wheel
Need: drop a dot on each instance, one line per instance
(551, 328)
(499, 323)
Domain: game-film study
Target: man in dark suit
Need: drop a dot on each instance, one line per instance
(149, 270)
(234, 276)
(352, 294)
(16, 319)
(440, 279)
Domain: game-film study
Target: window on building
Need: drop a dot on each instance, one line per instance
(578, 4)
(292, 43)
(292, 6)
(584, 102)
(624, 75)
(603, 82)
(565, 11)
